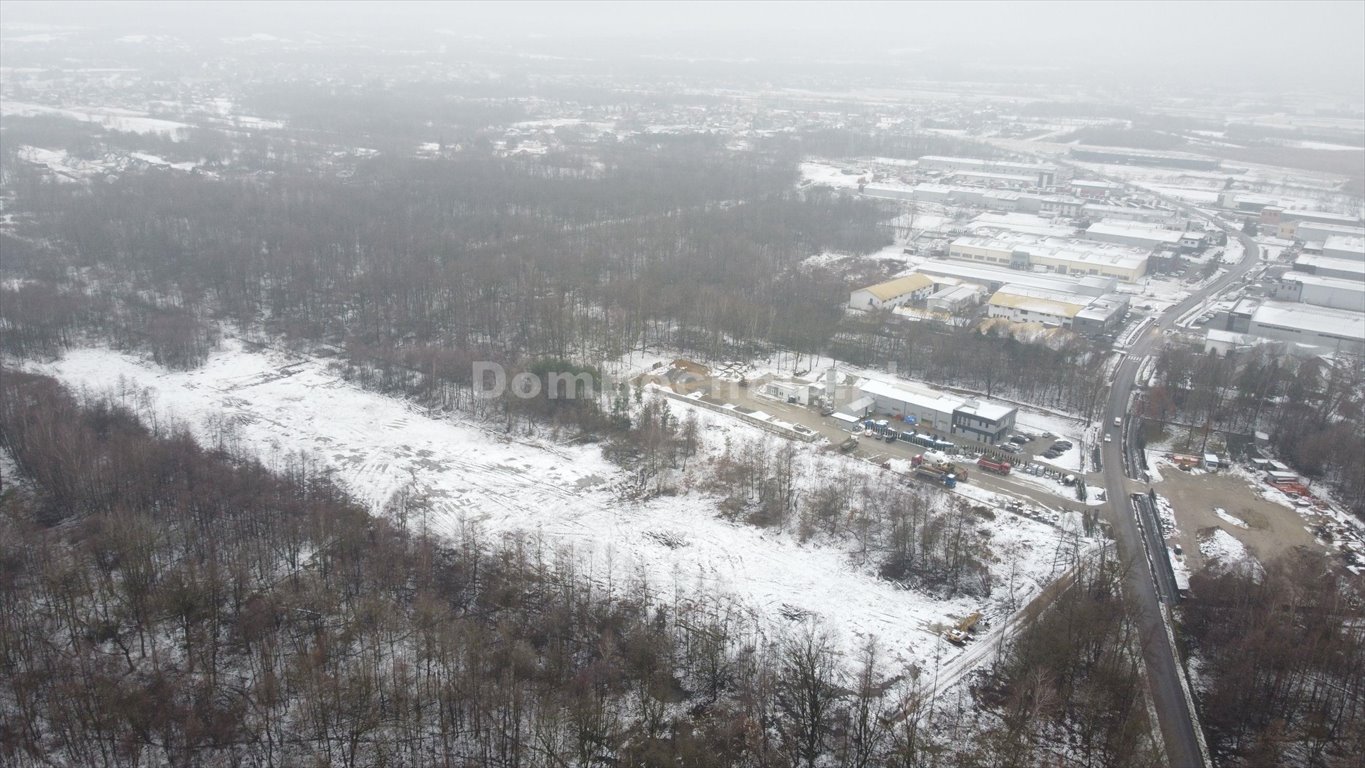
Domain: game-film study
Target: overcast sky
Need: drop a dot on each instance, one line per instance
(1271, 44)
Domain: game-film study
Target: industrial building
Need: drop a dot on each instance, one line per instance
(890, 191)
(1039, 174)
(1102, 315)
(1020, 304)
(1107, 212)
(1334, 292)
(1087, 315)
(1328, 266)
(1081, 257)
(994, 180)
(1339, 247)
(1275, 216)
(926, 409)
(1303, 328)
(1026, 223)
(954, 298)
(1127, 156)
(993, 278)
(892, 293)
(1059, 205)
(1019, 250)
(1134, 234)
(1095, 190)
(1315, 232)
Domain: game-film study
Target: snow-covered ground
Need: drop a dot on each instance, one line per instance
(831, 175)
(113, 118)
(1229, 518)
(274, 405)
(1222, 552)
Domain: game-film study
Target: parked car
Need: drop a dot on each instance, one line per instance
(1018, 439)
(1009, 448)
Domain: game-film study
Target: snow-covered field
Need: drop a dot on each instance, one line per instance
(830, 175)
(113, 118)
(273, 405)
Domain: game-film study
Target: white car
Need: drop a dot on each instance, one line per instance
(1108, 438)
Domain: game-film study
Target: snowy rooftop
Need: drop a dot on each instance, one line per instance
(1133, 229)
(1325, 281)
(923, 398)
(1346, 244)
(994, 176)
(1323, 216)
(900, 286)
(1056, 303)
(1329, 262)
(1337, 323)
(1127, 210)
(986, 409)
(984, 274)
(1332, 229)
(894, 191)
(1058, 248)
(956, 292)
(977, 162)
(1025, 223)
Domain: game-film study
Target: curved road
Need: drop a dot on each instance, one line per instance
(1183, 745)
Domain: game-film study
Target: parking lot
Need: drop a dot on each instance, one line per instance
(879, 451)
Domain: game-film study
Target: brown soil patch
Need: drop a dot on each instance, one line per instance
(1272, 529)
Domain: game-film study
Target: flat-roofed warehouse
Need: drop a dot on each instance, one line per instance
(995, 180)
(1339, 247)
(1127, 156)
(1309, 329)
(1319, 290)
(1104, 211)
(994, 278)
(1313, 232)
(1328, 266)
(1020, 304)
(1133, 233)
(924, 408)
(892, 293)
(1082, 257)
(1024, 223)
(1042, 174)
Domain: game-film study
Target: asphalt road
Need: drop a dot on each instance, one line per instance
(1173, 714)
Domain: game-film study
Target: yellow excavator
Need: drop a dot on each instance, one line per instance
(958, 635)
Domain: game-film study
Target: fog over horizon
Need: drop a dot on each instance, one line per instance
(1309, 48)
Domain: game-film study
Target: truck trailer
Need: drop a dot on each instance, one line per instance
(991, 465)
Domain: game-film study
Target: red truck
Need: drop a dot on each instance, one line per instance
(991, 465)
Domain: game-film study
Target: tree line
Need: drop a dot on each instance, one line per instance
(1282, 657)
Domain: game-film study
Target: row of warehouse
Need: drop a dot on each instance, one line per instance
(919, 407)
(1010, 201)
(1086, 304)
